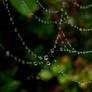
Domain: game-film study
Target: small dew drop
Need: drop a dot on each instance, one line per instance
(23, 62)
(40, 57)
(61, 49)
(46, 57)
(48, 63)
(40, 63)
(35, 63)
(37, 77)
(7, 53)
(52, 51)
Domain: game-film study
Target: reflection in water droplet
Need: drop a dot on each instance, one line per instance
(40, 57)
(23, 62)
(35, 63)
(7, 53)
(46, 57)
(48, 63)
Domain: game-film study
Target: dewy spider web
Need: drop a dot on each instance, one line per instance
(65, 19)
(60, 49)
(39, 63)
(72, 1)
(24, 44)
(11, 55)
(82, 6)
(66, 50)
(48, 11)
(76, 27)
(46, 56)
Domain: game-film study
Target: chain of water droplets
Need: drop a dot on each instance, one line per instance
(60, 71)
(46, 10)
(55, 22)
(19, 36)
(68, 21)
(66, 49)
(23, 42)
(8, 54)
(52, 50)
(16, 58)
(82, 6)
(65, 19)
(61, 49)
(24, 62)
(57, 11)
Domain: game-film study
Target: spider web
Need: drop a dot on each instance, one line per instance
(62, 44)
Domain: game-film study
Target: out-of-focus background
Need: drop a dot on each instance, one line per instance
(38, 24)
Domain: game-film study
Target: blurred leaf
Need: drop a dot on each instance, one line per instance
(90, 74)
(83, 85)
(63, 79)
(25, 7)
(55, 69)
(10, 87)
(5, 77)
(13, 71)
(45, 75)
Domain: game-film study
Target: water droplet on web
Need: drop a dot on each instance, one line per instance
(48, 63)
(35, 63)
(40, 57)
(56, 42)
(54, 46)
(29, 63)
(55, 61)
(61, 49)
(40, 62)
(7, 53)
(52, 51)
(46, 57)
(23, 62)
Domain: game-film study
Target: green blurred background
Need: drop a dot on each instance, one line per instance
(40, 37)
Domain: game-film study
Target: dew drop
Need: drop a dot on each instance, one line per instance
(52, 51)
(48, 63)
(46, 57)
(7, 53)
(35, 63)
(61, 49)
(40, 57)
(23, 62)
